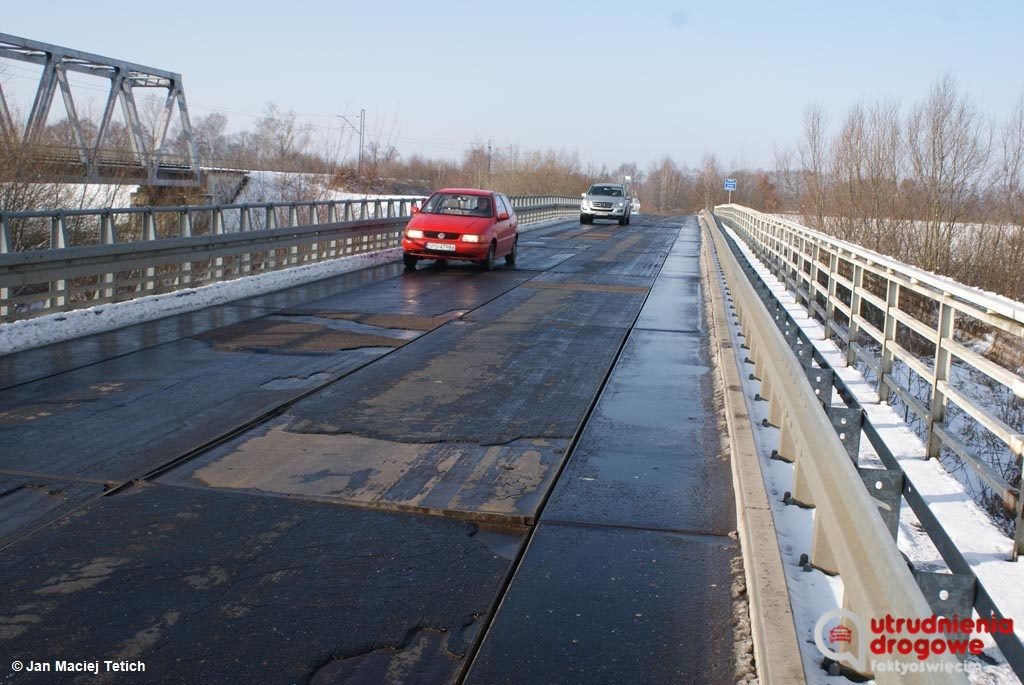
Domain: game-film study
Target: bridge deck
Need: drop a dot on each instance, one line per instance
(351, 474)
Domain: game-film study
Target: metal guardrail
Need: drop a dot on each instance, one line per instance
(876, 579)
(97, 256)
(964, 591)
(854, 291)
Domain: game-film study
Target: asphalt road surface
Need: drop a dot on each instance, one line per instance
(441, 476)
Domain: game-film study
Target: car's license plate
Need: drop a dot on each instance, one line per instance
(444, 247)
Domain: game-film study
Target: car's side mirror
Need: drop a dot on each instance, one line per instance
(583, 194)
(415, 209)
(502, 216)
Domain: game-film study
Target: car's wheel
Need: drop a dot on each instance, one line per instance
(622, 221)
(510, 258)
(628, 217)
(488, 262)
(409, 261)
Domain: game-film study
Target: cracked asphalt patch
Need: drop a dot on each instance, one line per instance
(287, 337)
(496, 482)
(177, 576)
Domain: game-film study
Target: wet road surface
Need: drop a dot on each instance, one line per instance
(351, 474)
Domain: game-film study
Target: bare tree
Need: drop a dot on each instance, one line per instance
(949, 144)
(812, 153)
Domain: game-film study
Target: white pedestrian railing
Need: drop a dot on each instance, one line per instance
(876, 307)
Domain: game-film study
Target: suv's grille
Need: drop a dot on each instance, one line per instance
(603, 205)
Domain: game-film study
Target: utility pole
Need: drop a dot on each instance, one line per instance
(362, 132)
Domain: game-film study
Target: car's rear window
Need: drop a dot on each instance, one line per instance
(458, 204)
(613, 191)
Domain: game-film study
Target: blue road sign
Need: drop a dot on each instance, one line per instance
(730, 184)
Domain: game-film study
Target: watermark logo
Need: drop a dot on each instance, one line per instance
(829, 632)
(903, 645)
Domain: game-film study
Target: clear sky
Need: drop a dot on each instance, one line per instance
(614, 81)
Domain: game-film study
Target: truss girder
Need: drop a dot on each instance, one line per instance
(148, 150)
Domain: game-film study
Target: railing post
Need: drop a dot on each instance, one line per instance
(812, 284)
(1018, 529)
(892, 302)
(940, 374)
(293, 221)
(149, 234)
(58, 241)
(184, 231)
(218, 229)
(5, 248)
(853, 330)
(108, 237)
(830, 307)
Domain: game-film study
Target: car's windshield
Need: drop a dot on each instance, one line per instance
(458, 204)
(613, 191)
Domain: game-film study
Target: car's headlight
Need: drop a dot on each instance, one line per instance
(622, 204)
(473, 238)
(414, 233)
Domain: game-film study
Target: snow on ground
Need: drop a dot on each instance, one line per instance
(280, 186)
(812, 593)
(43, 330)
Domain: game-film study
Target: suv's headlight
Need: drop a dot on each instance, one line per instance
(622, 204)
(414, 233)
(585, 203)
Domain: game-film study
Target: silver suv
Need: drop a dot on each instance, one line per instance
(606, 201)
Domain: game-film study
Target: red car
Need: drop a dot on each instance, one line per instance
(464, 224)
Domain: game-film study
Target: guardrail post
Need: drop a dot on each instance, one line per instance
(108, 236)
(58, 240)
(801, 488)
(892, 302)
(822, 556)
(940, 374)
(852, 329)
